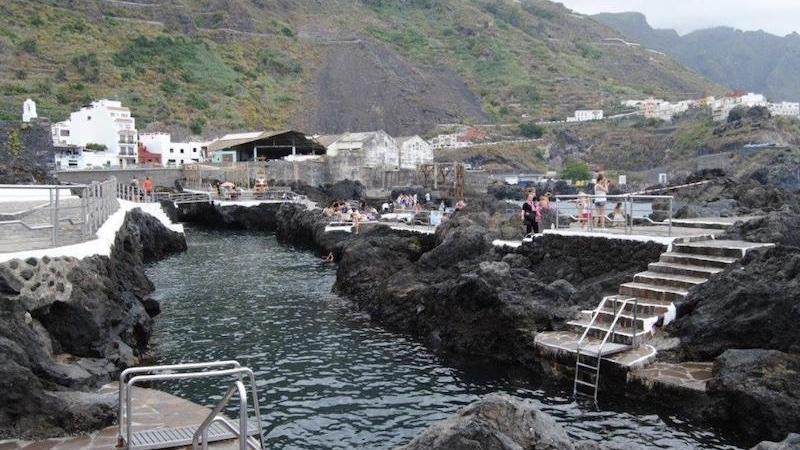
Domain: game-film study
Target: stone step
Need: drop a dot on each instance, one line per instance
(683, 269)
(710, 247)
(651, 291)
(708, 223)
(626, 319)
(719, 262)
(664, 279)
(644, 307)
(599, 330)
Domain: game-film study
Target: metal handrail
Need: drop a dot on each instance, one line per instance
(202, 430)
(125, 388)
(97, 203)
(628, 200)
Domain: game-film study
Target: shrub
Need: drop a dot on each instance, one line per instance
(29, 46)
(531, 130)
(96, 147)
(576, 170)
(277, 63)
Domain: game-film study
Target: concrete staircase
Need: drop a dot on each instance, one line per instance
(641, 307)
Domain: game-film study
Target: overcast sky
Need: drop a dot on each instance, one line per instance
(779, 17)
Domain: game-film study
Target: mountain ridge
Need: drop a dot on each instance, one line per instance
(755, 61)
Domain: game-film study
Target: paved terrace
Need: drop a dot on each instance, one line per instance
(152, 410)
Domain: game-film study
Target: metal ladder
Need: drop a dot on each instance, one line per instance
(593, 370)
(214, 428)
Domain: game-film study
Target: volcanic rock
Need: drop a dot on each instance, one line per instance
(760, 391)
(755, 304)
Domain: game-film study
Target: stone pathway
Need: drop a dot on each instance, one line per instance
(153, 409)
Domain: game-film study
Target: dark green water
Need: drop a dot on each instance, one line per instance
(327, 377)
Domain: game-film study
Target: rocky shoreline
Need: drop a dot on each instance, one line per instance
(70, 325)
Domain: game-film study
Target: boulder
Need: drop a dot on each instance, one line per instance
(792, 442)
(496, 422)
(760, 392)
(502, 422)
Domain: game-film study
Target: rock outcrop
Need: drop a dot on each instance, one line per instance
(500, 422)
(68, 326)
(753, 304)
(760, 390)
(791, 442)
(463, 296)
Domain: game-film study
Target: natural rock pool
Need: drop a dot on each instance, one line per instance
(327, 377)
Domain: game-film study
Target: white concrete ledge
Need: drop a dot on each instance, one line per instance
(105, 235)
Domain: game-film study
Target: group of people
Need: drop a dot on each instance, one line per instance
(598, 204)
(145, 191)
(532, 211)
(590, 208)
(342, 211)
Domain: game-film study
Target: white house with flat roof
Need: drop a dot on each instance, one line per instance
(173, 154)
(791, 109)
(585, 115)
(105, 129)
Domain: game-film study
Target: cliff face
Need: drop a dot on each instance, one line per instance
(26, 152)
(68, 326)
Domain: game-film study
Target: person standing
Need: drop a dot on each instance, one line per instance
(530, 212)
(600, 192)
(148, 188)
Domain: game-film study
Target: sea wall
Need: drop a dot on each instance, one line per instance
(69, 325)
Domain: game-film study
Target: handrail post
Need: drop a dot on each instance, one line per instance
(52, 219)
(55, 218)
(670, 217)
(84, 221)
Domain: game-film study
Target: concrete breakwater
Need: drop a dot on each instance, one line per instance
(70, 325)
(462, 296)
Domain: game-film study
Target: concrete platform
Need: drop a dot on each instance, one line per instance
(686, 375)
(152, 410)
(622, 355)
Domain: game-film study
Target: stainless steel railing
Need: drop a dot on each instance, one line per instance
(55, 218)
(630, 213)
(230, 369)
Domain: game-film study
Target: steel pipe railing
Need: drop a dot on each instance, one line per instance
(634, 213)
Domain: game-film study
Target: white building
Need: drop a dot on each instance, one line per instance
(785, 109)
(105, 129)
(414, 151)
(451, 140)
(585, 115)
(375, 148)
(750, 100)
(173, 154)
(28, 110)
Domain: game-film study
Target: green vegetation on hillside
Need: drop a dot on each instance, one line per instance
(232, 64)
(164, 77)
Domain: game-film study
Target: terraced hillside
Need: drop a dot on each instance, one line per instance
(203, 66)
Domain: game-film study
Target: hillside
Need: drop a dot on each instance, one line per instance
(754, 61)
(206, 66)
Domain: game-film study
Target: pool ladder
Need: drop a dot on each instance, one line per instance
(592, 369)
(215, 427)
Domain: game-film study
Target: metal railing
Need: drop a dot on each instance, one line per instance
(136, 194)
(56, 217)
(225, 369)
(630, 213)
